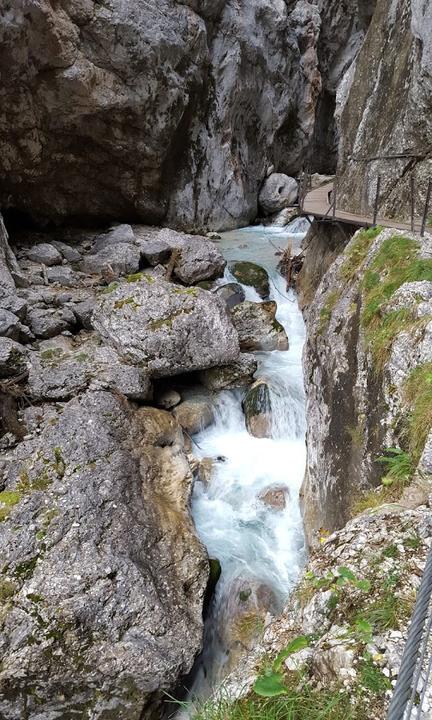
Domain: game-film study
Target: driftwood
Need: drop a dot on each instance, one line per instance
(290, 265)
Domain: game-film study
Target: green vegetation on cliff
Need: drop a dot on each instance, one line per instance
(396, 263)
(418, 390)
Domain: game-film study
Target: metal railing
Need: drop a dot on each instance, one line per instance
(416, 665)
(305, 182)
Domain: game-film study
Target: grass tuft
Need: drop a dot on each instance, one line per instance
(418, 393)
(357, 253)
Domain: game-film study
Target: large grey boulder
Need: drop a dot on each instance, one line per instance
(103, 576)
(278, 192)
(257, 326)
(164, 328)
(61, 369)
(196, 257)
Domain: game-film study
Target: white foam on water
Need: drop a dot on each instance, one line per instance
(250, 539)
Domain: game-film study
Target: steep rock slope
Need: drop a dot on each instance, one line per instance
(386, 122)
(160, 110)
(103, 579)
(367, 372)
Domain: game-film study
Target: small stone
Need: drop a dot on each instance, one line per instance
(167, 399)
(69, 253)
(9, 324)
(195, 412)
(62, 274)
(121, 259)
(46, 323)
(232, 293)
(13, 358)
(119, 234)
(275, 497)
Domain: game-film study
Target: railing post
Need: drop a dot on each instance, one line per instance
(334, 201)
(412, 202)
(426, 208)
(375, 215)
(302, 189)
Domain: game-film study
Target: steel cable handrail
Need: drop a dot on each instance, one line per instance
(408, 678)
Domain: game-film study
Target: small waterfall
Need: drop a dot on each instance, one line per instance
(254, 542)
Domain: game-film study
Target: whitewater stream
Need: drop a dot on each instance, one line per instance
(255, 544)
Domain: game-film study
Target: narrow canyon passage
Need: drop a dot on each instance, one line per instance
(260, 547)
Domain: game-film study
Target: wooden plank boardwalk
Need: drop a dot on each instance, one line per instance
(317, 203)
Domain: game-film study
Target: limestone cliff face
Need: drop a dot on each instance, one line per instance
(168, 111)
(367, 360)
(385, 117)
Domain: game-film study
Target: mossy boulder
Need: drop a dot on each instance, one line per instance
(248, 273)
(257, 409)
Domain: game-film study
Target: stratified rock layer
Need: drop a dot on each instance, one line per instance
(157, 110)
(386, 125)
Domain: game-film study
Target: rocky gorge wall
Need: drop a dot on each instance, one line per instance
(367, 359)
(166, 112)
(384, 112)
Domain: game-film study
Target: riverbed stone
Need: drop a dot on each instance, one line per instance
(46, 322)
(13, 358)
(278, 192)
(62, 274)
(275, 496)
(116, 235)
(249, 273)
(44, 253)
(232, 294)
(9, 324)
(70, 253)
(258, 328)
(164, 328)
(257, 409)
(120, 258)
(196, 411)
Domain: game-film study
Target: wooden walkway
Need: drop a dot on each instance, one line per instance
(318, 203)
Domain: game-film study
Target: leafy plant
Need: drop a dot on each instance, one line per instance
(398, 466)
(271, 682)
